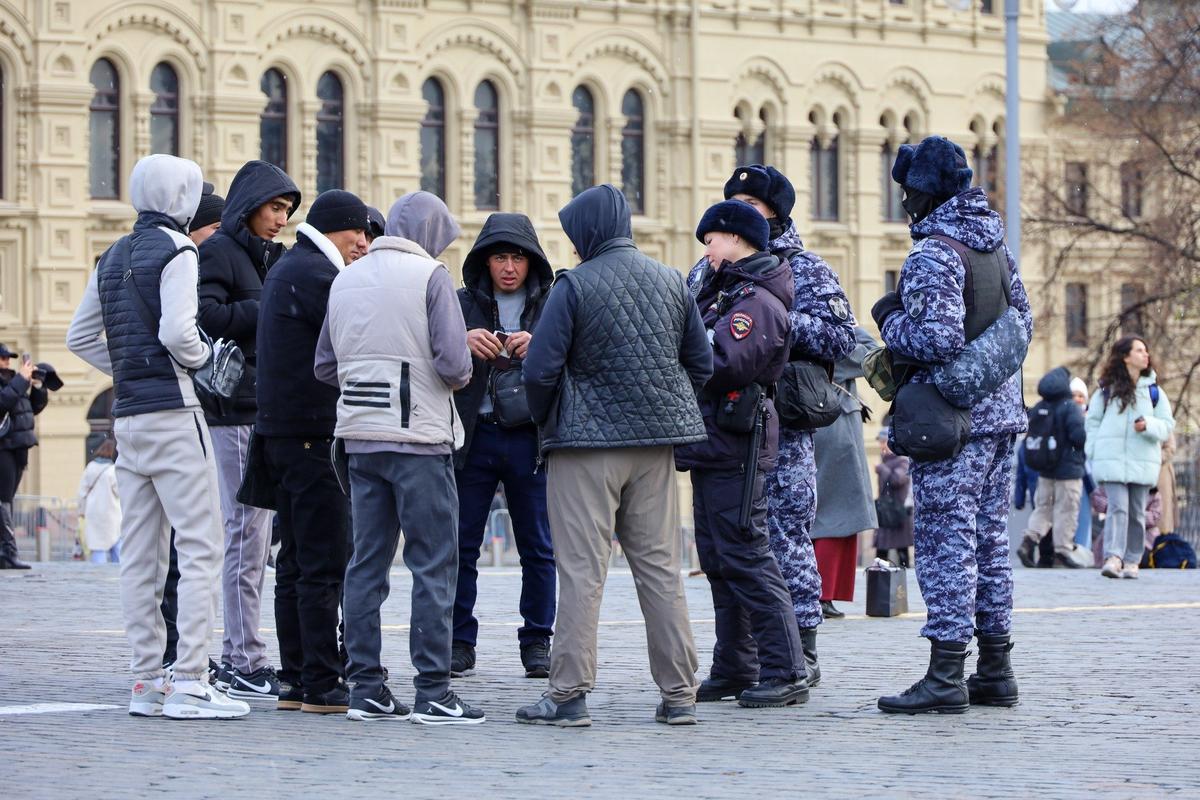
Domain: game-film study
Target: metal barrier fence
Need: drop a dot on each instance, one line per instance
(46, 527)
(1187, 487)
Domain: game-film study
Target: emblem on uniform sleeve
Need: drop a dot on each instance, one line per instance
(740, 325)
(916, 304)
(839, 308)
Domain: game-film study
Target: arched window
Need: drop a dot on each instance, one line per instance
(331, 162)
(583, 141)
(749, 148)
(433, 139)
(487, 147)
(825, 178)
(164, 111)
(633, 151)
(105, 123)
(891, 193)
(273, 121)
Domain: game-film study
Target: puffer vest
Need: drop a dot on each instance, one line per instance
(144, 376)
(624, 385)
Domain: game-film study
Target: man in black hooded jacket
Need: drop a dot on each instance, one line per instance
(506, 281)
(233, 264)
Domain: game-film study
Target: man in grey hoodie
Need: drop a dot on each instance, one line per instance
(137, 323)
(395, 343)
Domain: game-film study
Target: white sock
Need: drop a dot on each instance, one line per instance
(159, 682)
(190, 687)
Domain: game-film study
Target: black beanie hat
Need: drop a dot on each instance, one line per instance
(338, 210)
(735, 216)
(936, 166)
(767, 184)
(209, 210)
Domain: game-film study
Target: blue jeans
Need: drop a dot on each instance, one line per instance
(391, 491)
(508, 457)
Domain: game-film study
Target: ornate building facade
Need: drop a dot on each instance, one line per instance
(493, 104)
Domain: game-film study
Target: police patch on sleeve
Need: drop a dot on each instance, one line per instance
(740, 325)
(916, 304)
(839, 308)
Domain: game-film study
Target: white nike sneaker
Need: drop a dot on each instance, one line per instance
(146, 700)
(381, 706)
(447, 710)
(204, 703)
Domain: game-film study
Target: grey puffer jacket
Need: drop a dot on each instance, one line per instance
(620, 350)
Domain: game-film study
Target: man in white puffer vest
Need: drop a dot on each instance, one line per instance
(395, 343)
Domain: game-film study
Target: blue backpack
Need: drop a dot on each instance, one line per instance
(1171, 552)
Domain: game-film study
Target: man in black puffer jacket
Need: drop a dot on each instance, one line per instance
(612, 377)
(22, 397)
(233, 264)
(506, 279)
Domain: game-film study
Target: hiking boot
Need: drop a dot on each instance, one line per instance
(1130, 572)
(675, 715)
(1027, 552)
(447, 710)
(380, 706)
(714, 689)
(1111, 568)
(1066, 561)
(808, 643)
(332, 701)
(994, 683)
(941, 691)
(535, 656)
(571, 714)
(462, 660)
(775, 693)
(830, 611)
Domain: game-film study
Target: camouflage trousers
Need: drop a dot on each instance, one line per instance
(791, 509)
(960, 531)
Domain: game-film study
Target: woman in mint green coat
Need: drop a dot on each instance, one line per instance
(1128, 420)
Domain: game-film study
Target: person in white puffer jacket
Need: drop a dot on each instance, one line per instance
(100, 505)
(1128, 419)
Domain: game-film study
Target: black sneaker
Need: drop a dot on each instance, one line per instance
(462, 660)
(536, 658)
(448, 710)
(260, 684)
(291, 697)
(381, 706)
(1027, 552)
(571, 714)
(333, 701)
(224, 676)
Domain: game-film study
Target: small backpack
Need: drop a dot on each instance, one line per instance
(1171, 552)
(1042, 451)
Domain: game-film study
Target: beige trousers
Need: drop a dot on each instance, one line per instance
(167, 478)
(630, 491)
(1056, 504)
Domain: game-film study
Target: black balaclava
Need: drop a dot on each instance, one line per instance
(917, 204)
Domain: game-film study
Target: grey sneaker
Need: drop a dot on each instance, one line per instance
(571, 714)
(208, 704)
(146, 701)
(675, 715)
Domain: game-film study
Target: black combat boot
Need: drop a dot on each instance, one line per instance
(776, 693)
(808, 642)
(994, 683)
(8, 541)
(941, 691)
(713, 690)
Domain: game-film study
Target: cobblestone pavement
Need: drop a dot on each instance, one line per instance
(1109, 674)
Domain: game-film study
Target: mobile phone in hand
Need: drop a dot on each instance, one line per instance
(501, 335)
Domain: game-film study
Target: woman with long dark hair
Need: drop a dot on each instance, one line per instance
(1128, 419)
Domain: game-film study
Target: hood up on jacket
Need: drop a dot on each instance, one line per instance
(422, 218)
(966, 218)
(257, 182)
(1055, 384)
(511, 229)
(770, 273)
(594, 218)
(167, 185)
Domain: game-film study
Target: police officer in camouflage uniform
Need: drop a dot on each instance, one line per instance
(822, 330)
(960, 524)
